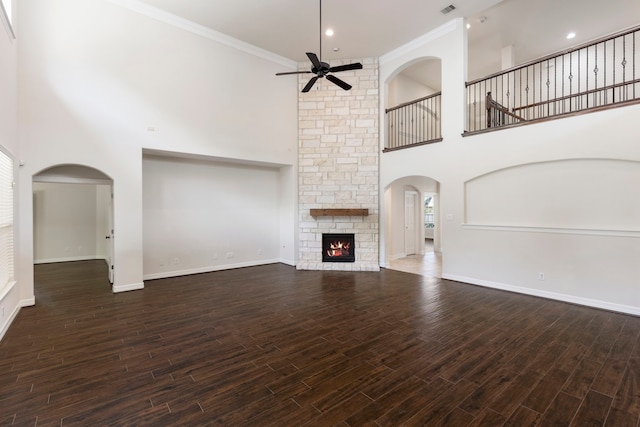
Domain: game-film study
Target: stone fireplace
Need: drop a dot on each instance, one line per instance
(338, 161)
(338, 247)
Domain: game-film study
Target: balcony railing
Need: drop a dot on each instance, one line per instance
(596, 75)
(414, 123)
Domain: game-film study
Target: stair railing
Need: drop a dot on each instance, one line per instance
(413, 123)
(601, 74)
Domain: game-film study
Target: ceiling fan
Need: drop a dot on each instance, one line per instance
(323, 69)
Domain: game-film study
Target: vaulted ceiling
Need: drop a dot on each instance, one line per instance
(371, 28)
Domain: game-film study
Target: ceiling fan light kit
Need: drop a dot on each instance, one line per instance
(323, 69)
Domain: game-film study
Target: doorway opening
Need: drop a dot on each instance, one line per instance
(73, 216)
(412, 232)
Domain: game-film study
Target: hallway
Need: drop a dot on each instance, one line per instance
(428, 265)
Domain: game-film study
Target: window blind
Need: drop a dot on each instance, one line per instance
(6, 220)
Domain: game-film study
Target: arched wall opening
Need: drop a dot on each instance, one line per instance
(416, 79)
(413, 105)
(73, 215)
(405, 219)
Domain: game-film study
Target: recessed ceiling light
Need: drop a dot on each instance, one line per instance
(571, 35)
(336, 49)
(329, 32)
(468, 26)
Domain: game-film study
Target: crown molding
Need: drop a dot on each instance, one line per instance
(420, 41)
(201, 30)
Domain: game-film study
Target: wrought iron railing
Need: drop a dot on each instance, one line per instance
(599, 74)
(414, 123)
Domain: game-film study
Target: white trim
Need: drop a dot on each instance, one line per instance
(287, 262)
(211, 269)
(57, 179)
(7, 289)
(4, 16)
(635, 311)
(67, 259)
(201, 30)
(554, 230)
(28, 302)
(420, 41)
(397, 256)
(9, 321)
(126, 288)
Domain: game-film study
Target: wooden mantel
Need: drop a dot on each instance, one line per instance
(339, 212)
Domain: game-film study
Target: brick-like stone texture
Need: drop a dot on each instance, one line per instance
(338, 164)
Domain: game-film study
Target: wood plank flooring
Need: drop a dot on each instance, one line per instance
(270, 345)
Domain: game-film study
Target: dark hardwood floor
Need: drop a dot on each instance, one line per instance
(271, 345)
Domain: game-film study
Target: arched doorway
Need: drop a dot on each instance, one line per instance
(73, 216)
(412, 226)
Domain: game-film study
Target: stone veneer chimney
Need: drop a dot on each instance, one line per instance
(338, 165)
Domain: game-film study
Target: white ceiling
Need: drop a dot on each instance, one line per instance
(371, 28)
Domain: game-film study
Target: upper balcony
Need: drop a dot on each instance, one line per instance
(604, 73)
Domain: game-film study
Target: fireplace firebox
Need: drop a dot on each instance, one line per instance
(338, 248)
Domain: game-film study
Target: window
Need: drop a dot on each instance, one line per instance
(6, 220)
(428, 212)
(7, 15)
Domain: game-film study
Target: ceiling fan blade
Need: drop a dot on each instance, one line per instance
(314, 60)
(346, 67)
(333, 79)
(309, 85)
(293, 72)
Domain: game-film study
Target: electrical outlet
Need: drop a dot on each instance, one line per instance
(259, 251)
(541, 276)
(215, 255)
(229, 254)
(176, 260)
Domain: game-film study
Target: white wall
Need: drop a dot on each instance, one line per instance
(202, 215)
(487, 182)
(404, 89)
(99, 83)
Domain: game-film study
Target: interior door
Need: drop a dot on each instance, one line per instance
(410, 198)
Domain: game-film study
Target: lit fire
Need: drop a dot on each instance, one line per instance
(338, 249)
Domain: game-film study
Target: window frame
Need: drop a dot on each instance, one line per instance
(7, 221)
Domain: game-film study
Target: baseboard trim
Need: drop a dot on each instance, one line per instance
(210, 269)
(66, 259)
(28, 302)
(288, 262)
(604, 305)
(397, 256)
(10, 319)
(126, 288)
